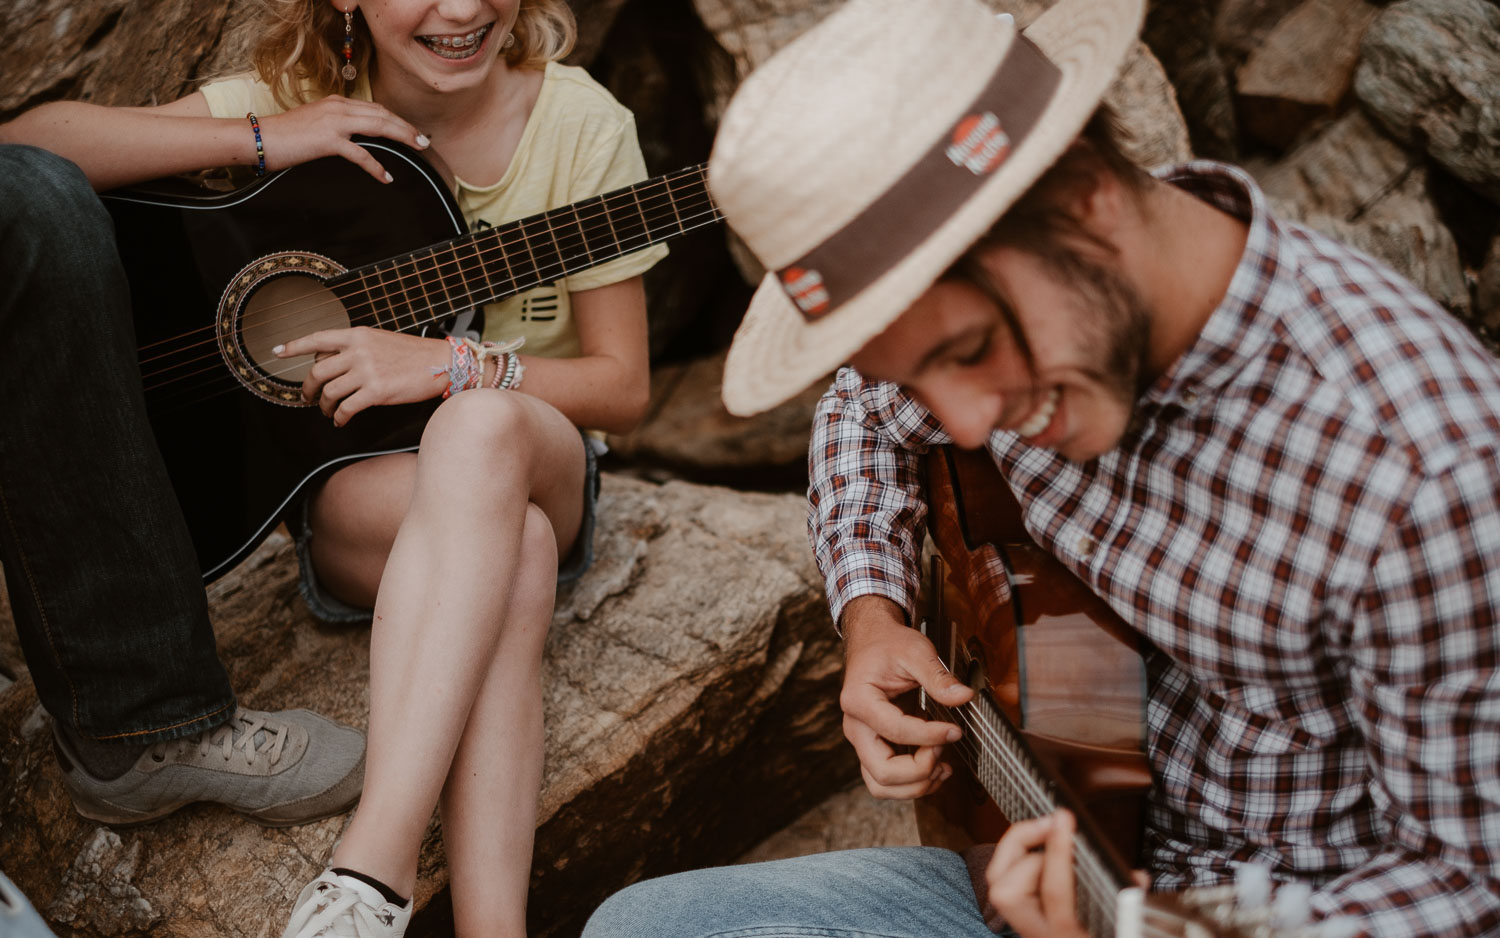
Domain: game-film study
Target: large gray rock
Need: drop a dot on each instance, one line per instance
(1354, 183)
(688, 432)
(691, 709)
(1428, 74)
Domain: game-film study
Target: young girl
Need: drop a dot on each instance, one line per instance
(456, 547)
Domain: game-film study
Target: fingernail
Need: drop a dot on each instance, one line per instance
(953, 735)
(422, 141)
(277, 350)
(388, 177)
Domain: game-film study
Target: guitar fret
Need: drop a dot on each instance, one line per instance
(545, 261)
(464, 269)
(372, 296)
(480, 268)
(407, 292)
(405, 279)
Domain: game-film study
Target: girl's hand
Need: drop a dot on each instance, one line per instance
(324, 128)
(362, 367)
(1030, 878)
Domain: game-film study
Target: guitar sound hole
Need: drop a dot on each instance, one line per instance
(284, 308)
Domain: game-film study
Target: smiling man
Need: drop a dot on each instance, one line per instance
(1273, 457)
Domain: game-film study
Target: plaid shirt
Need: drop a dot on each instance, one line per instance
(1304, 519)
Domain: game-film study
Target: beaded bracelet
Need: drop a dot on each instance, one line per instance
(508, 366)
(260, 148)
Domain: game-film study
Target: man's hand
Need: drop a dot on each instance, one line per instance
(1030, 878)
(883, 658)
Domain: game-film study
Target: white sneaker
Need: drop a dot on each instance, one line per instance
(343, 907)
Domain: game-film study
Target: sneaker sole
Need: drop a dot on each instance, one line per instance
(130, 821)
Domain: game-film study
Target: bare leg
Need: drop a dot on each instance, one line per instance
(489, 801)
(494, 470)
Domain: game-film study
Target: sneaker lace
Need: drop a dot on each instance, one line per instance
(250, 731)
(340, 912)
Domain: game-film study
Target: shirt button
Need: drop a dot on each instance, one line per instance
(1190, 397)
(1086, 546)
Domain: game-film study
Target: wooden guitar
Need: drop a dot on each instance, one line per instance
(1058, 719)
(219, 279)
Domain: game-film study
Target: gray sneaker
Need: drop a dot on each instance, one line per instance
(280, 769)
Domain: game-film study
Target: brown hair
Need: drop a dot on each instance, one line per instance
(297, 47)
(1040, 223)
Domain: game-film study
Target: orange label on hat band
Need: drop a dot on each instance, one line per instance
(957, 165)
(980, 144)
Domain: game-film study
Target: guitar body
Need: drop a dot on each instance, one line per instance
(1053, 658)
(219, 280)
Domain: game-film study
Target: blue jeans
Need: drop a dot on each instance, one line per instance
(881, 892)
(103, 579)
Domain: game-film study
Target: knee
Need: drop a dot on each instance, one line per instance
(653, 908)
(538, 540)
(491, 424)
(48, 197)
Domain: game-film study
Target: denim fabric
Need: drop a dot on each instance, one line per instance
(882, 892)
(103, 579)
(328, 608)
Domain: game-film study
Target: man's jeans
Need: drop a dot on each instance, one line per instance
(882, 892)
(103, 580)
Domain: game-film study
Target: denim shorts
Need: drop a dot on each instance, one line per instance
(328, 608)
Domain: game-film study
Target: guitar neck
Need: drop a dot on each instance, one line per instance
(407, 292)
(1012, 775)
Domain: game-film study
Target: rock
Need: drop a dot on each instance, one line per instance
(1180, 33)
(1302, 70)
(1355, 184)
(1427, 75)
(105, 51)
(848, 820)
(689, 714)
(1487, 291)
(688, 431)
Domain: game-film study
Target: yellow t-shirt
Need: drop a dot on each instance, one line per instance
(578, 142)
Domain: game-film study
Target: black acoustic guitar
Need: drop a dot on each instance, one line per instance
(219, 279)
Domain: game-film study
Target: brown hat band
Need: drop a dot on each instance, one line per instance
(918, 203)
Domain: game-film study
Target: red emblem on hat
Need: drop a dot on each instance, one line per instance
(980, 144)
(806, 289)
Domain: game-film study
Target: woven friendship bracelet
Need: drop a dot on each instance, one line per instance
(464, 370)
(260, 148)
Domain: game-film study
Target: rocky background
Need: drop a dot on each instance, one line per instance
(692, 675)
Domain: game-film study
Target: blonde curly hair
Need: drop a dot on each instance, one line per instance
(298, 46)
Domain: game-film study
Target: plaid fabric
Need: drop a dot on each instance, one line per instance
(1304, 518)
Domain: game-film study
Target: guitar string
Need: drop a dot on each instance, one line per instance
(554, 269)
(658, 195)
(1096, 887)
(219, 375)
(550, 272)
(215, 380)
(652, 189)
(689, 209)
(495, 246)
(1104, 888)
(1096, 880)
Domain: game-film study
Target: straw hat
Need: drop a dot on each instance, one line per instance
(863, 158)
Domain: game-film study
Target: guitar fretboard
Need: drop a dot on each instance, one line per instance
(1009, 772)
(412, 290)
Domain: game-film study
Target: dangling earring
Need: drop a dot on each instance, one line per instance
(349, 71)
(510, 40)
